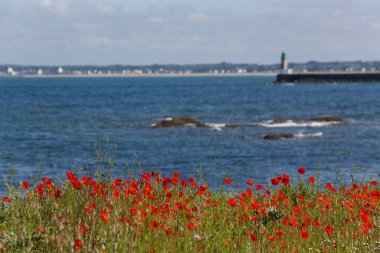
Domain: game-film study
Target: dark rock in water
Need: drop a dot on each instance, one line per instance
(271, 137)
(233, 126)
(279, 121)
(180, 122)
(327, 119)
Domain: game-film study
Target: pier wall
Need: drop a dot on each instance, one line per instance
(329, 77)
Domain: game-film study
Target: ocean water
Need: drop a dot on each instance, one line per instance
(50, 125)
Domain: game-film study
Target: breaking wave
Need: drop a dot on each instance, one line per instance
(216, 126)
(295, 123)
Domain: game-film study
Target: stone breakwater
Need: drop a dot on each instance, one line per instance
(328, 77)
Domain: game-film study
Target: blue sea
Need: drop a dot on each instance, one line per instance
(51, 125)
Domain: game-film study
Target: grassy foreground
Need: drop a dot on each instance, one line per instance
(170, 214)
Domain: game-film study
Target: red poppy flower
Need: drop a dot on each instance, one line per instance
(146, 176)
(183, 183)
(331, 188)
(252, 236)
(25, 185)
(316, 223)
(301, 198)
(191, 225)
(118, 182)
(57, 194)
(74, 181)
(104, 216)
(153, 225)
(155, 173)
(279, 233)
(6, 199)
(301, 171)
(169, 231)
(176, 174)
(78, 245)
(311, 180)
(275, 181)
(47, 181)
(285, 179)
(329, 230)
(259, 187)
(304, 235)
(254, 218)
(373, 182)
(123, 219)
(271, 238)
(228, 181)
(40, 190)
(84, 229)
(231, 202)
(249, 182)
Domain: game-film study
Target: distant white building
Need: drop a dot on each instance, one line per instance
(40, 72)
(60, 70)
(11, 72)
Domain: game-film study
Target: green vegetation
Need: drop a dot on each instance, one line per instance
(151, 213)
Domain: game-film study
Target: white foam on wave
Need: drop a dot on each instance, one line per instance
(310, 135)
(288, 84)
(292, 123)
(216, 126)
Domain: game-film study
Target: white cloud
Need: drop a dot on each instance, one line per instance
(60, 8)
(107, 10)
(157, 20)
(203, 18)
(46, 3)
(102, 41)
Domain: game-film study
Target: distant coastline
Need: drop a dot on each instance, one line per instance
(272, 74)
(183, 70)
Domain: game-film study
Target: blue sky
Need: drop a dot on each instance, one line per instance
(60, 32)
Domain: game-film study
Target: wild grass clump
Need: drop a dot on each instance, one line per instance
(152, 213)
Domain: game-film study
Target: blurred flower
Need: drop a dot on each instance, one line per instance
(275, 181)
(259, 187)
(304, 235)
(228, 181)
(78, 245)
(231, 202)
(25, 185)
(329, 230)
(301, 170)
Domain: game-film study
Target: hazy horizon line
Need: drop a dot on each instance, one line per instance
(184, 64)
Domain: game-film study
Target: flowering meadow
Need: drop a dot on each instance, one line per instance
(153, 213)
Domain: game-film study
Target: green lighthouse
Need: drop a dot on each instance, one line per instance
(284, 61)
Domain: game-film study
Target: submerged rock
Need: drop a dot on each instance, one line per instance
(271, 137)
(327, 119)
(180, 122)
(279, 121)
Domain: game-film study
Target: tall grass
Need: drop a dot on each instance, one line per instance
(152, 213)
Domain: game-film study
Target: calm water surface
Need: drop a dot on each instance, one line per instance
(51, 125)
